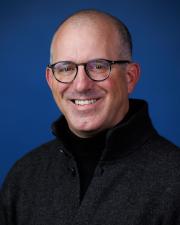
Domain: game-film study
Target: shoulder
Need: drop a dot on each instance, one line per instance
(161, 147)
(41, 153)
(32, 163)
(162, 158)
(37, 171)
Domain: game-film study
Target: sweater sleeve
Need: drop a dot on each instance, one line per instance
(2, 211)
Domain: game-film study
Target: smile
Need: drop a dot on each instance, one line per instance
(84, 102)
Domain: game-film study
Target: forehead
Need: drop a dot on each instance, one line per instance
(77, 37)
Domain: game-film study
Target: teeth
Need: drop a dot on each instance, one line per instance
(84, 102)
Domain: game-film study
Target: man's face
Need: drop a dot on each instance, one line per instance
(88, 106)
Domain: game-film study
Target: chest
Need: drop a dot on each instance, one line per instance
(117, 194)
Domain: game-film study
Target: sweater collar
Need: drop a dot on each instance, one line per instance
(125, 137)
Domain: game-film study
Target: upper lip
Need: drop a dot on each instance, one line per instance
(88, 95)
(83, 99)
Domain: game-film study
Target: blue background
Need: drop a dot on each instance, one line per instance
(26, 28)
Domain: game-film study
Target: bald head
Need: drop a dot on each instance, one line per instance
(103, 23)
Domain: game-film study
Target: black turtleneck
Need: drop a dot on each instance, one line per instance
(87, 152)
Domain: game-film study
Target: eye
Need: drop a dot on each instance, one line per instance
(99, 66)
(65, 68)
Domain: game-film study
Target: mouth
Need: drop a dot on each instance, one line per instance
(83, 102)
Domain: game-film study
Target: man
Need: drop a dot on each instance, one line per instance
(107, 165)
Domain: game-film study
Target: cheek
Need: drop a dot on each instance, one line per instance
(117, 87)
(58, 90)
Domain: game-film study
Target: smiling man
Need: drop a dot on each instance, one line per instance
(107, 164)
(93, 96)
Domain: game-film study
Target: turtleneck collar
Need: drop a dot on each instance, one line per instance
(122, 139)
(84, 147)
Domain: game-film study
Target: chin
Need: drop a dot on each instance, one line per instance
(86, 129)
(87, 123)
(86, 133)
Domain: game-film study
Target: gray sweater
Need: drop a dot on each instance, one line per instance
(136, 181)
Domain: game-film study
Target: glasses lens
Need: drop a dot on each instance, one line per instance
(98, 69)
(65, 71)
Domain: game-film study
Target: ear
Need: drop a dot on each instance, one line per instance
(132, 76)
(49, 77)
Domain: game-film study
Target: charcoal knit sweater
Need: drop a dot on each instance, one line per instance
(136, 180)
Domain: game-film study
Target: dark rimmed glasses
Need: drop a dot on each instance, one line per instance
(96, 70)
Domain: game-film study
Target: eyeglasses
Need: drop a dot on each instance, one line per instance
(96, 70)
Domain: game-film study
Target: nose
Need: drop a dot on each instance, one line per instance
(82, 82)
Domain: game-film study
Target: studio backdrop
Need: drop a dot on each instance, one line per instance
(27, 108)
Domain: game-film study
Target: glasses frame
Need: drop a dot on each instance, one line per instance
(110, 62)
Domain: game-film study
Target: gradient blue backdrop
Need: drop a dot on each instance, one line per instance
(26, 27)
